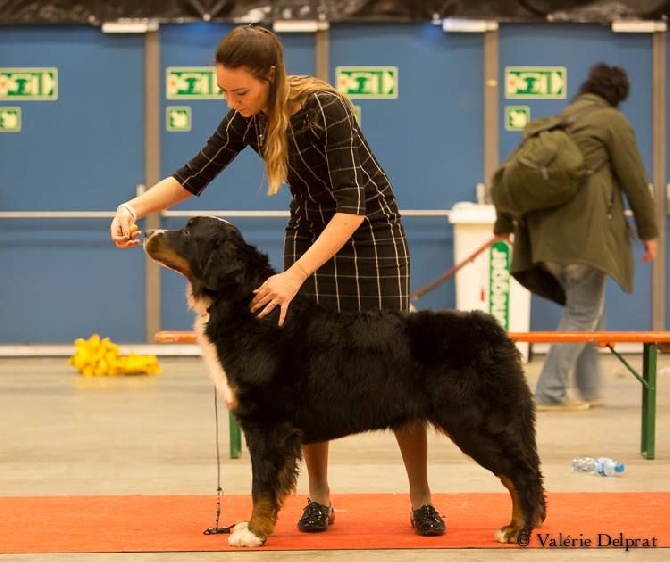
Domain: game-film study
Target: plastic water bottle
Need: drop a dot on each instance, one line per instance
(601, 466)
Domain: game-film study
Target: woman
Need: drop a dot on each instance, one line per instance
(344, 242)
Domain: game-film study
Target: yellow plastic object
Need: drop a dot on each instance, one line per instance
(100, 357)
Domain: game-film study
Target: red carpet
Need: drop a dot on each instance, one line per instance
(375, 521)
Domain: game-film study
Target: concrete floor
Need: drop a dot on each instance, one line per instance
(64, 434)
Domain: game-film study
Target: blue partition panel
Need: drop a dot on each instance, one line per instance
(578, 47)
(63, 279)
(83, 151)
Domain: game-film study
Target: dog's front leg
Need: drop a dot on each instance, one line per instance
(275, 452)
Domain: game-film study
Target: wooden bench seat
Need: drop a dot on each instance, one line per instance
(652, 342)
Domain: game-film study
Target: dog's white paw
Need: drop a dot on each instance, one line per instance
(498, 536)
(242, 536)
(510, 534)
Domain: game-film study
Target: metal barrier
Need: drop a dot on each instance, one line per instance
(21, 215)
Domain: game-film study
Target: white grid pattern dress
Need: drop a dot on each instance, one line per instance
(331, 169)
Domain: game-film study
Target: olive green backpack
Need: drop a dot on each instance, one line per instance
(546, 170)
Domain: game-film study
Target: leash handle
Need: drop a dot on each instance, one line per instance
(218, 530)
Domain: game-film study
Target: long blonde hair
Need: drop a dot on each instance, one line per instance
(258, 50)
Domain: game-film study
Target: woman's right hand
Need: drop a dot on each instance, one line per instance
(123, 229)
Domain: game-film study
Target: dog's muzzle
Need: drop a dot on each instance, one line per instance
(149, 233)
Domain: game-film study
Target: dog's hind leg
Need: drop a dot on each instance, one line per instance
(519, 470)
(528, 513)
(509, 452)
(275, 453)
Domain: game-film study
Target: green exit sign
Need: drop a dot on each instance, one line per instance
(10, 119)
(28, 84)
(371, 82)
(191, 83)
(178, 119)
(536, 82)
(516, 117)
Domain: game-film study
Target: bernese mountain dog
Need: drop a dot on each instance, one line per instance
(327, 374)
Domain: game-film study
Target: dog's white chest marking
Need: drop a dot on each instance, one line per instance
(242, 536)
(214, 369)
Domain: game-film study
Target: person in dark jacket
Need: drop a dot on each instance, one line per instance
(566, 253)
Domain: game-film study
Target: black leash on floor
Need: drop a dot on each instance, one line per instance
(216, 530)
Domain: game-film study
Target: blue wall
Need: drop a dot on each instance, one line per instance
(85, 151)
(63, 279)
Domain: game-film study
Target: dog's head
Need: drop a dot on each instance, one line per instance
(211, 253)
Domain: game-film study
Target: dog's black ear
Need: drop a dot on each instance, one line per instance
(223, 268)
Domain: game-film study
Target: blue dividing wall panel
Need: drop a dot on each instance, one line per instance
(430, 139)
(62, 279)
(243, 185)
(578, 47)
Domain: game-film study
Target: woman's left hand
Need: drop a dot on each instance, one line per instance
(277, 290)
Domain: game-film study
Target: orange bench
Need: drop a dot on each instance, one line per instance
(652, 342)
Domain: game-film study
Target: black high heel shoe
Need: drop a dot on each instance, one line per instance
(316, 517)
(427, 521)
